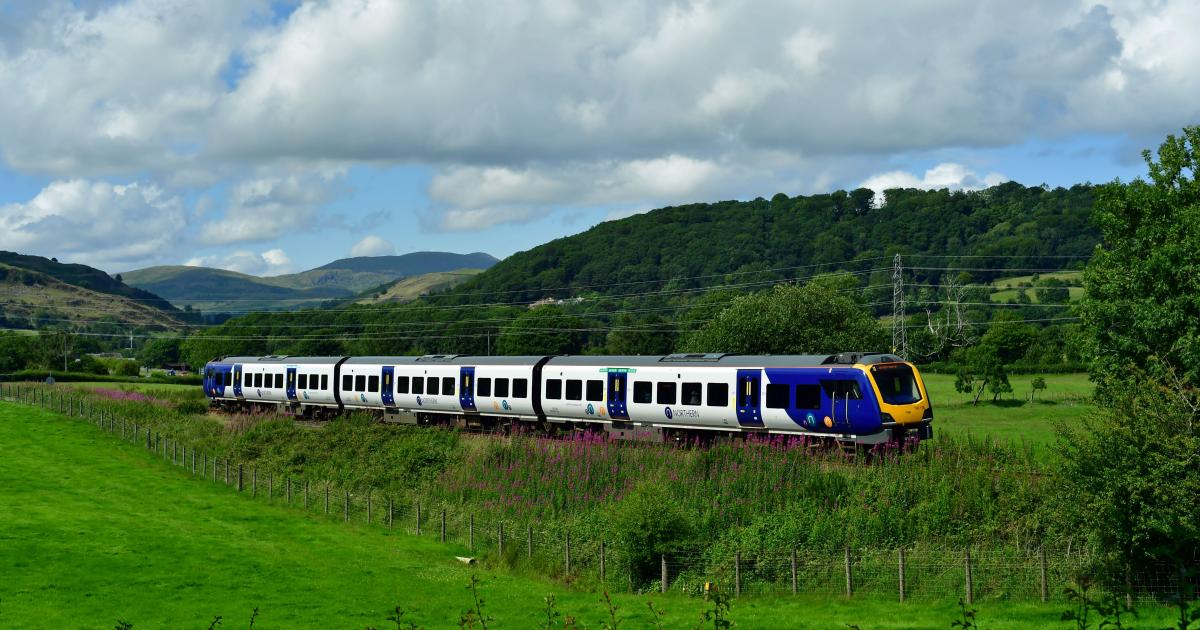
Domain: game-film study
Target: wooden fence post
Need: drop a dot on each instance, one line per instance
(737, 573)
(500, 539)
(529, 541)
(967, 575)
(601, 560)
(663, 586)
(327, 499)
(471, 532)
(795, 584)
(849, 576)
(368, 506)
(270, 487)
(443, 524)
(391, 514)
(901, 553)
(287, 489)
(305, 495)
(227, 472)
(240, 485)
(418, 518)
(253, 481)
(1045, 591)
(346, 507)
(568, 554)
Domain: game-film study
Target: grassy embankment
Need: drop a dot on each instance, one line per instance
(97, 530)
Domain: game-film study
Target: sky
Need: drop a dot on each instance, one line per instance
(273, 137)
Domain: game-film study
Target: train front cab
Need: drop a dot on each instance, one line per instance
(904, 404)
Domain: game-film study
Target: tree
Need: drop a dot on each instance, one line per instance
(1143, 282)
(546, 329)
(790, 320)
(981, 364)
(1038, 384)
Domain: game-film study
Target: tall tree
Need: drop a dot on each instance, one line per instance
(813, 318)
(1143, 283)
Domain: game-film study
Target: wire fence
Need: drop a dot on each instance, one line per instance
(914, 573)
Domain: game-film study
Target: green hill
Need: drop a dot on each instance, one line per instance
(85, 277)
(698, 245)
(408, 289)
(33, 299)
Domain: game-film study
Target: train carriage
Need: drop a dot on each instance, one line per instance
(865, 398)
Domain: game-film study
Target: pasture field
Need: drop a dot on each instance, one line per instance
(1014, 419)
(96, 530)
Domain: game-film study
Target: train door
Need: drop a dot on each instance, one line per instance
(749, 386)
(617, 386)
(845, 402)
(466, 388)
(291, 383)
(237, 381)
(388, 390)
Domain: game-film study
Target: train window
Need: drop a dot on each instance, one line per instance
(808, 396)
(373, 384)
(842, 389)
(643, 392)
(431, 385)
(520, 388)
(483, 387)
(718, 394)
(554, 389)
(258, 380)
(896, 383)
(448, 385)
(574, 389)
(777, 396)
(501, 389)
(278, 381)
(666, 393)
(360, 383)
(324, 382)
(595, 390)
(401, 384)
(418, 385)
(303, 381)
(691, 394)
(347, 382)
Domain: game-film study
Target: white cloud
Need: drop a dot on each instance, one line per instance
(373, 246)
(480, 197)
(523, 108)
(95, 222)
(272, 262)
(944, 175)
(261, 209)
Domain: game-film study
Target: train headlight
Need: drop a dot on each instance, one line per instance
(886, 417)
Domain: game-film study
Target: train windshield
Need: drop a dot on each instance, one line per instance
(896, 383)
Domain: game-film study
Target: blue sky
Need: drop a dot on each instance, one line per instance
(271, 137)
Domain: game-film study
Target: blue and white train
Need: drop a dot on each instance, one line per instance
(863, 398)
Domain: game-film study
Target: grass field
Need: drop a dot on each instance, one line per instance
(1006, 289)
(95, 530)
(1014, 419)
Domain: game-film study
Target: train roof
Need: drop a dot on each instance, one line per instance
(280, 360)
(728, 360)
(687, 359)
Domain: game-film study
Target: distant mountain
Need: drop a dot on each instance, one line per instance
(34, 299)
(218, 290)
(85, 277)
(413, 264)
(212, 290)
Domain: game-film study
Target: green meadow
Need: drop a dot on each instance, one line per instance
(95, 531)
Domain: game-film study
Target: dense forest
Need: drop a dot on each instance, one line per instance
(651, 283)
